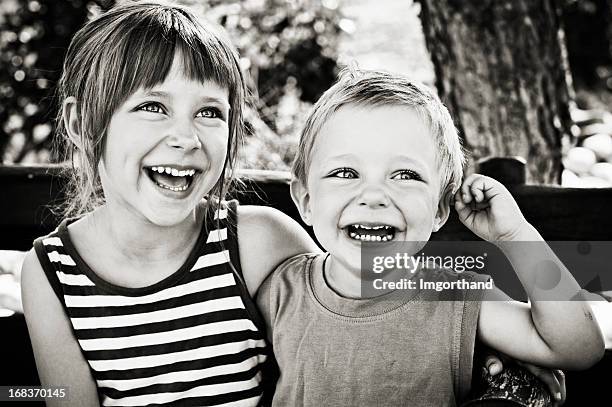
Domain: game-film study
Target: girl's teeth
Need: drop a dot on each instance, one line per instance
(174, 171)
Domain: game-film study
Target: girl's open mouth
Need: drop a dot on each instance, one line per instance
(371, 233)
(171, 178)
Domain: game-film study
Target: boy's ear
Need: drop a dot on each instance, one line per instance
(72, 120)
(444, 208)
(301, 199)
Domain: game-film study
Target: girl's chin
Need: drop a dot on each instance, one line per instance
(169, 218)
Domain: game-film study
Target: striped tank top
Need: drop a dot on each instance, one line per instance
(193, 339)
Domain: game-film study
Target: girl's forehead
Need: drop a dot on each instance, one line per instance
(179, 82)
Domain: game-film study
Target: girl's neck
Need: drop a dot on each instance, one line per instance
(135, 238)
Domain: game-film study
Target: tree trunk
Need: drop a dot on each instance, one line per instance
(501, 69)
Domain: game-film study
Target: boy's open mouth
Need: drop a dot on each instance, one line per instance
(171, 178)
(371, 233)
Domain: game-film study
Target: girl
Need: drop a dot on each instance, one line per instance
(134, 300)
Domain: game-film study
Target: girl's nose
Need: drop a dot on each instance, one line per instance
(374, 197)
(183, 137)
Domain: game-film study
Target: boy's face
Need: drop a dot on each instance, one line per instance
(373, 177)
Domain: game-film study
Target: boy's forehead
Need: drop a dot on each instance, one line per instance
(386, 134)
(372, 126)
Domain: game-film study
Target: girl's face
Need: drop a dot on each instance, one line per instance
(165, 148)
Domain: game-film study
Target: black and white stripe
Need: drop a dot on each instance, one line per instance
(192, 342)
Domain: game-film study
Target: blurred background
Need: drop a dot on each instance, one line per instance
(293, 51)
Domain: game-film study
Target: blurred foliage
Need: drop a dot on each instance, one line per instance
(588, 32)
(588, 29)
(288, 47)
(33, 38)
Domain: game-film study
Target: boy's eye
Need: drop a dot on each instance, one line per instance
(151, 107)
(344, 173)
(406, 175)
(210, 113)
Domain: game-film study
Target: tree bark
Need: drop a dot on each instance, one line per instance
(501, 68)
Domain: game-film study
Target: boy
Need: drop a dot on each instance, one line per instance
(380, 161)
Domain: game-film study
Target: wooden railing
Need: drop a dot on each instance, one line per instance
(28, 195)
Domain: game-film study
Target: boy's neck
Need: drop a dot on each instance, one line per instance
(341, 278)
(347, 282)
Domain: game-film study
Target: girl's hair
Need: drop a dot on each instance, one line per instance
(129, 47)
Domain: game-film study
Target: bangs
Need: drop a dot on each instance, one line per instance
(153, 42)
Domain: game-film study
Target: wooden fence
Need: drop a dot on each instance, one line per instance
(558, 213)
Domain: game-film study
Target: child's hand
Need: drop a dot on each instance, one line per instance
(486, 207)
(553, 379)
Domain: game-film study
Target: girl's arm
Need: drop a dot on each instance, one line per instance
(558, 328)
(58, 357)
(266, 238)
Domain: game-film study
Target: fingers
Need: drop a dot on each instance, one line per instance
(553, 379)
(473, 188)
(561, 378)
(494, 365)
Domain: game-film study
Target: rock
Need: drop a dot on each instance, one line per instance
(569, 179)
(583, 117)
(594, 182)
(603, 171)
(596, 128)
(579, 160)
(600, 144)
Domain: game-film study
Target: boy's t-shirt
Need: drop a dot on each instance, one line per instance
(393, 350)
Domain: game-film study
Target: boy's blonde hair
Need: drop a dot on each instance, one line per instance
(129, 47)
(379, 88)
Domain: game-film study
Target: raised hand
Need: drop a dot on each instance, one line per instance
(487, 208)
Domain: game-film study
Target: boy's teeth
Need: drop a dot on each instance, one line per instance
(365, 233)
(368, 238)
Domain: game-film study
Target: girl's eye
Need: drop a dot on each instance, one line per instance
(152, 108)
(406, 175)
(344, 173)
(210, 113)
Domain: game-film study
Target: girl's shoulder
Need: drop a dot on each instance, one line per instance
(266, 238)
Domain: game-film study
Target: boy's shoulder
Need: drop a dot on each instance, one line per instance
(295, 268)
(292, 274)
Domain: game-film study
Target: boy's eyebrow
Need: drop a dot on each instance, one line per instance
(401, 157)
(412, 161)
(341, 156)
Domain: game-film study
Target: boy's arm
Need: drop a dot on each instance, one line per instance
(554, 331)
(266, 238)
(58, 357)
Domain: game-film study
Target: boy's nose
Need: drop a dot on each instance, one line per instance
(374, 197)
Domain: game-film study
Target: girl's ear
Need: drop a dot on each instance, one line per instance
(72, 121)
(301, 199)
(444, 207)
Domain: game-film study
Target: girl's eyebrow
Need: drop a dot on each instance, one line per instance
(206, 99)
